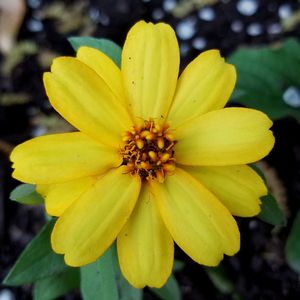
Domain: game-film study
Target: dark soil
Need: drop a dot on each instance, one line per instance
(259, 270)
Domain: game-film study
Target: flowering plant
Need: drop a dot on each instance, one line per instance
(156, 159)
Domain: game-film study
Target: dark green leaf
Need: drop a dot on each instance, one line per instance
(170, 291)
(292, 249)
(98, 279)
(220, 278)
(264, 74)
(178, 265)
(26, 194)
(52, 287)
(271, 212)
(108, 47)
(259, 172)
(37, 260)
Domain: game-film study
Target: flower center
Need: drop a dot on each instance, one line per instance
(148, 151)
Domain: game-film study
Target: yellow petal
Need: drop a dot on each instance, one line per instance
(86, 101)
(58, 197)
(200, 225)
(89, 226)
(43, 189)
(150, 63)
(206, 84)
(105, 68)
(229, 136)
(61, 157)
(237, 187)
(145, 247)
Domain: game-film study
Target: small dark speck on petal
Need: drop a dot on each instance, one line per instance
(162, 116)
(129, 57)
(133, 82)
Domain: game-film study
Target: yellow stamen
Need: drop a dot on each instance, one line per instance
(152, 155)
(148, 151)
(150, 136)
(145, 165)
(165, 157)
(169, 136)
(160, 143)
(168, 167)
(144, 133)
(140, 143)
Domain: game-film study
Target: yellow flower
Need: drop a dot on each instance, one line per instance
(156, 159)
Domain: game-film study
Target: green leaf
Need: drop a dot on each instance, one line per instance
(259, 172)
(170, 291)
(37, 260)
(271, 212)
(264, 74)
(292, 249)
(26, 194)
(108, 47)
(104, 280)
(178, 265)
(98, 279)
(53, 287)
(220, 278)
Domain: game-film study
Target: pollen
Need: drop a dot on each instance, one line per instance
(148, 151)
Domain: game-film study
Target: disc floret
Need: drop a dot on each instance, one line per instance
(148, 151)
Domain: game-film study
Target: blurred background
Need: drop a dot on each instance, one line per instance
(33, 32)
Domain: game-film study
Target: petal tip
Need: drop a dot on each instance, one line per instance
(270, 142)
(70, 261)
(15, 175)
(53, 240)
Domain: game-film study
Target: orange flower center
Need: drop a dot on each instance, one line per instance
(148, 151)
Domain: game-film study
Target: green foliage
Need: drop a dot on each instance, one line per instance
(103, 280)
(26, 194)
(292, 249)
(178, 265)
(264, 74)
(98, 279)
(170, 291)
(37, 260)
(52, 287)
(108, 47)
(271, 212)
(220, 279)
(259, 172)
